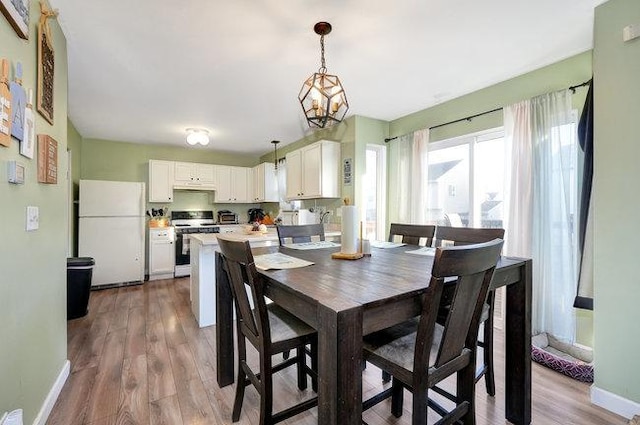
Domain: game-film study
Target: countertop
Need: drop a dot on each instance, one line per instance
(270, 236)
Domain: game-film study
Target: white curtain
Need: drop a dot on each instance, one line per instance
(408, 184)
(541, 209)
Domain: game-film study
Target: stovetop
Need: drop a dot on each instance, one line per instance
(194, 221)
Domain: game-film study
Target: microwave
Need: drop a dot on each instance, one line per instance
(227, 217)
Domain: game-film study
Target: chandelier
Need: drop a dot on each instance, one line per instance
(322, 96)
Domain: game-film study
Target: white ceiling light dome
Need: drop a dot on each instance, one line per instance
(197, 136)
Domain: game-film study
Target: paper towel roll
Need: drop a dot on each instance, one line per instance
(349, 235)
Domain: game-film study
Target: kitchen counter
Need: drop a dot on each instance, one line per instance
(203, 270)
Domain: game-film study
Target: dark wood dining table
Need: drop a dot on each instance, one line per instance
(345, 300)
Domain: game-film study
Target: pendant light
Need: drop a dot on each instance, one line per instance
(275, 153)
(322, 96)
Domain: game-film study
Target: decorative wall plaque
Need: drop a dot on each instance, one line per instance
(47, 159)
(17, 13)
(46, 62)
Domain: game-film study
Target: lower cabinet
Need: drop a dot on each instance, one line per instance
(162, 253)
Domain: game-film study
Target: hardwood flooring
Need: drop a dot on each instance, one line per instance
(139, 357)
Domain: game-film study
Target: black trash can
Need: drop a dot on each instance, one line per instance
(79, 272)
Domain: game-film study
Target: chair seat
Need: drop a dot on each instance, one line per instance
(285, 326)
(397, 343)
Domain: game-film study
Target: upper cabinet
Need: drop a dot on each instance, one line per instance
(313, 171)
(191, 175)
(233, 185)
(161, 175)
(265, 183)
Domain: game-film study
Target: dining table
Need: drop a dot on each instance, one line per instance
(346, 299)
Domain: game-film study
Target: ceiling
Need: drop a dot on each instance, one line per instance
(143, 71)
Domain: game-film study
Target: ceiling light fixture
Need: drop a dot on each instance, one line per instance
(322, 96)
(197, 135)
(275, 153)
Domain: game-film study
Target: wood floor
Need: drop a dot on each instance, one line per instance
(139, 357)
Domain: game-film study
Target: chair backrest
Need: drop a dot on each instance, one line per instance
(241, 269)
(301, 233)
(411, 233)
(466, 235)
(471, 267)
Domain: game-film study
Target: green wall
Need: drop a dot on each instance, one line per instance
(33, 327)
(557, 76)
(616, 201)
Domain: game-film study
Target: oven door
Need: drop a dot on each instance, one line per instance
(182, 247)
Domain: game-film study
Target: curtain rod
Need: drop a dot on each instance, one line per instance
(470, 117)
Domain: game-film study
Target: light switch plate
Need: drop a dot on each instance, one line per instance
(630, 32)
(33, 218)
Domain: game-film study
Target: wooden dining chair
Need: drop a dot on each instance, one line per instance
(412, 233)
(421, 353)
(270, 329)
(465, 236)
(300, 233)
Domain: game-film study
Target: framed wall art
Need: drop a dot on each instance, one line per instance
(17, 13)
(47, 159)
(46, 65)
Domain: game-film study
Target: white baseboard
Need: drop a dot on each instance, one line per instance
(614, 403)
(52, 397)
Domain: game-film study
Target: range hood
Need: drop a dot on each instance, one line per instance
(193, 186)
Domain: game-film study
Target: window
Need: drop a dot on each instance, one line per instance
(374, 192)
(466, 180)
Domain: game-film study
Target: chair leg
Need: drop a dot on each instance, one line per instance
(487, 351)
(386, 377)
(397, 398)
(465, 389)
(314, 366)
(266, 390)
(240, 381)
(302, 373)
(419, 413)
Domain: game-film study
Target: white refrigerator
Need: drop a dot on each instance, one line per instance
(112, 230)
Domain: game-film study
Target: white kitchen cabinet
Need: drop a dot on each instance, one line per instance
(161, 175)
(191, 175)
(265, 183)
(313, 171)
(161, 253)
(233, 185)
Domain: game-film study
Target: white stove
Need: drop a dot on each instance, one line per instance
(186, 223)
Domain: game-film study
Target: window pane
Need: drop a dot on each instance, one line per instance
(489, 183)
(448, 191)
(370, 194)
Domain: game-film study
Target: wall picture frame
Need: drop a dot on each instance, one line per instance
(47, 159)
(17, 13)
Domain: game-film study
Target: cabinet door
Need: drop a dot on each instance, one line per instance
(270, 183)
(223, 184)
(258, 183)
(184, 172)
(294, 174)
(161, 181)
(161, 257)
(240, 184)
(205, 173)
(312, 171)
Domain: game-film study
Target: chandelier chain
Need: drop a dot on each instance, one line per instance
(323, 65)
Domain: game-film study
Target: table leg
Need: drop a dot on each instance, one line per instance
(224, 326)
(340, 360)
(518, 349)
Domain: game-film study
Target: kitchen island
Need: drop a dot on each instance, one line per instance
(203, 268)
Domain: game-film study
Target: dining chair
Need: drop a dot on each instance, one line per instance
(421, 353)
(412, 233)
(300, 233)
(270, 329)
(465, 236)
